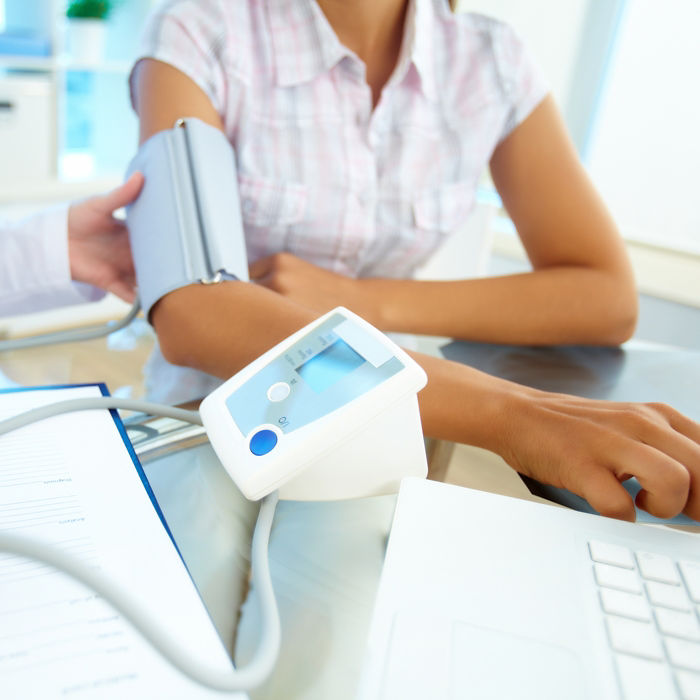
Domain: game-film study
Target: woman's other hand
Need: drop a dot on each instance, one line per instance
(311, 286)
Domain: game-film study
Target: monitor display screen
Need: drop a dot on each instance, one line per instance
(330, 366)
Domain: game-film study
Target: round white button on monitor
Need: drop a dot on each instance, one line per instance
(278, 391)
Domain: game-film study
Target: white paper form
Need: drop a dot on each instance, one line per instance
(70, 481)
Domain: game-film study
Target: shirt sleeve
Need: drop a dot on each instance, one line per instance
(522, 80)
(189, 35)
(34, 265)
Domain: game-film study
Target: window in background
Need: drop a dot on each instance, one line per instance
(2, 15)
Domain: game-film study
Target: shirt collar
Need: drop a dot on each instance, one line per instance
(305, 45)
(303, 42)
(417, 48)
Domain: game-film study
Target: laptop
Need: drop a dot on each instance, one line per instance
(486, 596)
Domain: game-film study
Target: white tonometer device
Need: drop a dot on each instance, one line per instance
(331, 412)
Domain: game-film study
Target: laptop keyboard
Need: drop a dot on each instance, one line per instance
(652, 615)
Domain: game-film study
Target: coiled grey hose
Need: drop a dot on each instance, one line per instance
(260, 667)
(72, 335)
(54, 409)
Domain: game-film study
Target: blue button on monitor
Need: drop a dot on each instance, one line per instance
(263, 442)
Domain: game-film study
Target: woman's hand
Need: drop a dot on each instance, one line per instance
(590, 447)
(98, 243)
(586, 446)
(311, 286)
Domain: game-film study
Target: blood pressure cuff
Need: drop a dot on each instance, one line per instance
(185, 227)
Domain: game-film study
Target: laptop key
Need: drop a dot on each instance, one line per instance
(632, 637)
(691, 576)
(683, 653)
(689, 684)
(644, 680)
(657, 567)
(678, 624)
(624, 604)
(607, 553)
(666, 596)
(616, 577)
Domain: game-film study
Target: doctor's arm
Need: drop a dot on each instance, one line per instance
(586, 446)
(43, 254)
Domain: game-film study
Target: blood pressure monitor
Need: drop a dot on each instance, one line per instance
(329, 413)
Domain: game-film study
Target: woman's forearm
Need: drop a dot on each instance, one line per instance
(558, 305)
(462, 404)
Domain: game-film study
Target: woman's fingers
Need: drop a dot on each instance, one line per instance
(606, 495)
(665, 481)
(260, 268)
(609, 442)
(665, 458)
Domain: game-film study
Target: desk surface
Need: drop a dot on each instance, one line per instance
(117, 360)
(634, 372)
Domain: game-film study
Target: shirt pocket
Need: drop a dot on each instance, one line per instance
(443, 209)
(271, 203)
(273, 212)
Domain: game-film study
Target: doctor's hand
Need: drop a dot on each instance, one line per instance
(312, 286)
(98, 242)
(590, 447)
